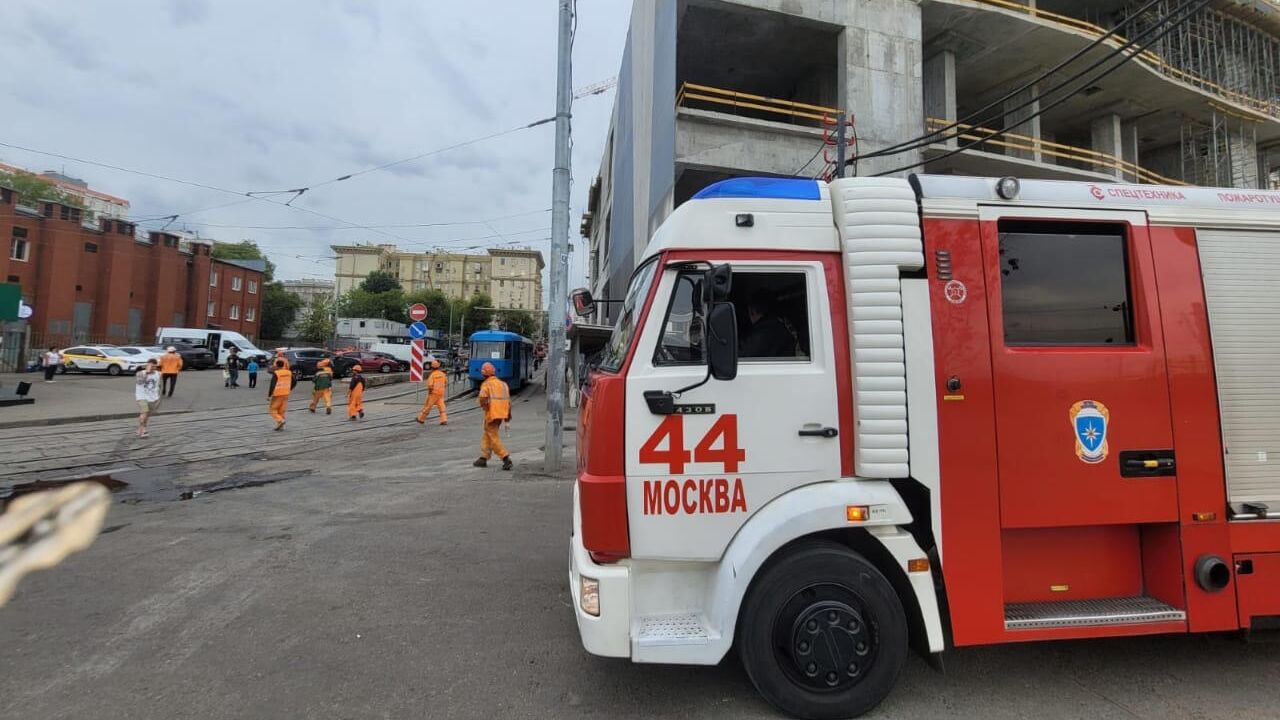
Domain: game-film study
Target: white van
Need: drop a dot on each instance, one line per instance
(219, 341)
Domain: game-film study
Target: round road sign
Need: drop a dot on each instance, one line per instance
(417, 331)
(417, 312)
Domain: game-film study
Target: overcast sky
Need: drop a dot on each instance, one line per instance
(248, 95)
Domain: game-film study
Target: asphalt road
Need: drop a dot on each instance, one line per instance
(378, 575)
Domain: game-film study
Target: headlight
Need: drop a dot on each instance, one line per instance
(589, 595)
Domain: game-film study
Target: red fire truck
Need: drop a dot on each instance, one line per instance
(831, 414)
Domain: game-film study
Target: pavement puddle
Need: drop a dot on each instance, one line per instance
(239, 483)
(104, 479)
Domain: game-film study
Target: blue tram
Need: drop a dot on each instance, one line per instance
(511, 355)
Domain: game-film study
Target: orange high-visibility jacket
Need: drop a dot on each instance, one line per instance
(498, 397)
(437, 382)
(170, 363)
(284, 383)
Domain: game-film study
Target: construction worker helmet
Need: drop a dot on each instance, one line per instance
(487, 369)
(435, 364)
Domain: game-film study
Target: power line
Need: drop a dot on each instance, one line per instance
(933, 136)
(1006, 129)
(347, 227)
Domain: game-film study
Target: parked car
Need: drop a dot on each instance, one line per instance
(100, 358)
(194, 357)
(401, 365)
(372, 362)
(302, 361)
(143, 353)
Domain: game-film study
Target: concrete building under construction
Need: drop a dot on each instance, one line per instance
(710, 89)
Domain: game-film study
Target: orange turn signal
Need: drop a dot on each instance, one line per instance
(918, 565)
(856, 513)
(1204, 516)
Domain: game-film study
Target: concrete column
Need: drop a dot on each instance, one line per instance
(1106, 139)
(880, 76)
(1020, 122)
(1129, 147)
(939, 81)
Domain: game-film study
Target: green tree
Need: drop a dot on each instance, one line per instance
(478, 319)
(279, 308)
(380, 281)
(437, 307)
(31, 188)
(244, 250)
(360, 303)
(521, 322)
(317, 324)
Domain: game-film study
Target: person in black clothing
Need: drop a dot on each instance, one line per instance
(233, 368)
(769, 336)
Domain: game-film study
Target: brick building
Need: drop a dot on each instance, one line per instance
(101, 283)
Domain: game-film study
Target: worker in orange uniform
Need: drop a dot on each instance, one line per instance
(437, 382)
(280, 357)
(495, 399)
(170, 366)
(322, 387)
(355, 394)
(278, 393)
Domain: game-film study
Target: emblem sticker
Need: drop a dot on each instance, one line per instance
(955, 292)
(1089, 422)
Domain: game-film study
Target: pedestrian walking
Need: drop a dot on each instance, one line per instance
(322, 387)
(146, 391)
(233, 368)
(355, 394)
(437, 383)
(252, 369)
(458, 367)
(278, 393)
(51, 361)
(495, 399)
(170, 366)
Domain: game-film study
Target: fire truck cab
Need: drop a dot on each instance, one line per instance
(831, 414)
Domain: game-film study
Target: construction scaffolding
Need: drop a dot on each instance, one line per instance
(1219, 54)
(1221, 153)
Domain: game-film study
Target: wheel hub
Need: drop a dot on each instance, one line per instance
(830, 645)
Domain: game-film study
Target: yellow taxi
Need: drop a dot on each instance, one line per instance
(101, 358)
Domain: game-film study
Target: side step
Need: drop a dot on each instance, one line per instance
(682, 629)
(1135, 610)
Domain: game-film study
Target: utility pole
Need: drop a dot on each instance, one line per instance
(559, 241)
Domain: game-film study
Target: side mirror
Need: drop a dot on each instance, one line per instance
(583, 303)
(722, 341)
(720, 281)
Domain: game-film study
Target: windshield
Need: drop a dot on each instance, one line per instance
(130, 351)
(613, 355)
(114, 352)
(489, 349)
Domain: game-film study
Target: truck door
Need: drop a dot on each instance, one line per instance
(694, 477)
(1083, 426)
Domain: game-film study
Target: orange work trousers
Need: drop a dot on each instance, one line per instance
(491, 443)
(321, 395)
(436, 401)
(279, 405)
(355, 401)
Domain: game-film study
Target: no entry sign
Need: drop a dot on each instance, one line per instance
(417, 312)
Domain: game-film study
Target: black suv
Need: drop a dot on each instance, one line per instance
(302, 361)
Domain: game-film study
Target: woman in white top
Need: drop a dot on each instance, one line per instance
(51, 360)
(146, 390)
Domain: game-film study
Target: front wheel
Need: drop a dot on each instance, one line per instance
(114, 370)
(384, 369)
(823, 634)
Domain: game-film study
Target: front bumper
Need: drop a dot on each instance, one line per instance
(609, 633)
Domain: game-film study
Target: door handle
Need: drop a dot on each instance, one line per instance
(1147, 463)
(826, 432)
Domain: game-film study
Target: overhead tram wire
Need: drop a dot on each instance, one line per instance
(1198, 5)
(936, 135)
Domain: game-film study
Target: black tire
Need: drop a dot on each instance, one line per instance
(114, 370)
(384, 368)
(822, 633)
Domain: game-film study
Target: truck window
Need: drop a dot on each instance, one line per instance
(681, 342)
(1065, 284)
(615, 352)
(773, 316)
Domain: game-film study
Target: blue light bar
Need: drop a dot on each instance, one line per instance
(760, 187)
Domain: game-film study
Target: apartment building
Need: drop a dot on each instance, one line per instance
(711, 89)
(511, 277)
